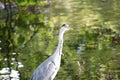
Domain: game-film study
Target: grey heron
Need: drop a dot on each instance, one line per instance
(48, 69)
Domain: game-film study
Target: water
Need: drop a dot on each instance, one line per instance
(29, 33)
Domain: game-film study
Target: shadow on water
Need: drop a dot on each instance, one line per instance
(29, 32)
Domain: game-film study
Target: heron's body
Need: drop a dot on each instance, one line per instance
(49, 68)
(47, 71)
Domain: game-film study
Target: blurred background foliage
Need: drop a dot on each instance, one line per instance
(29, 33)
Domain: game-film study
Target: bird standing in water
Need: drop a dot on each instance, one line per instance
(48, 69)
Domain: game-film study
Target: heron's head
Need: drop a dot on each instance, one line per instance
(65, 27)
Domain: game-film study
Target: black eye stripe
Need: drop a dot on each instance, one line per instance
(63, 24)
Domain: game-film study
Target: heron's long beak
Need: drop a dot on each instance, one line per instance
(71, 28)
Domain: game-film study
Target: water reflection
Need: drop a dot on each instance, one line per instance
(95, 25)
(29, 35)
(9, 68)
(8, 74)
(11, 72)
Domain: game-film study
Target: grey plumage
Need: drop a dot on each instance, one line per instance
(48, 69)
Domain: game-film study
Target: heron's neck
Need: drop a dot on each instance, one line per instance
(60, 42)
